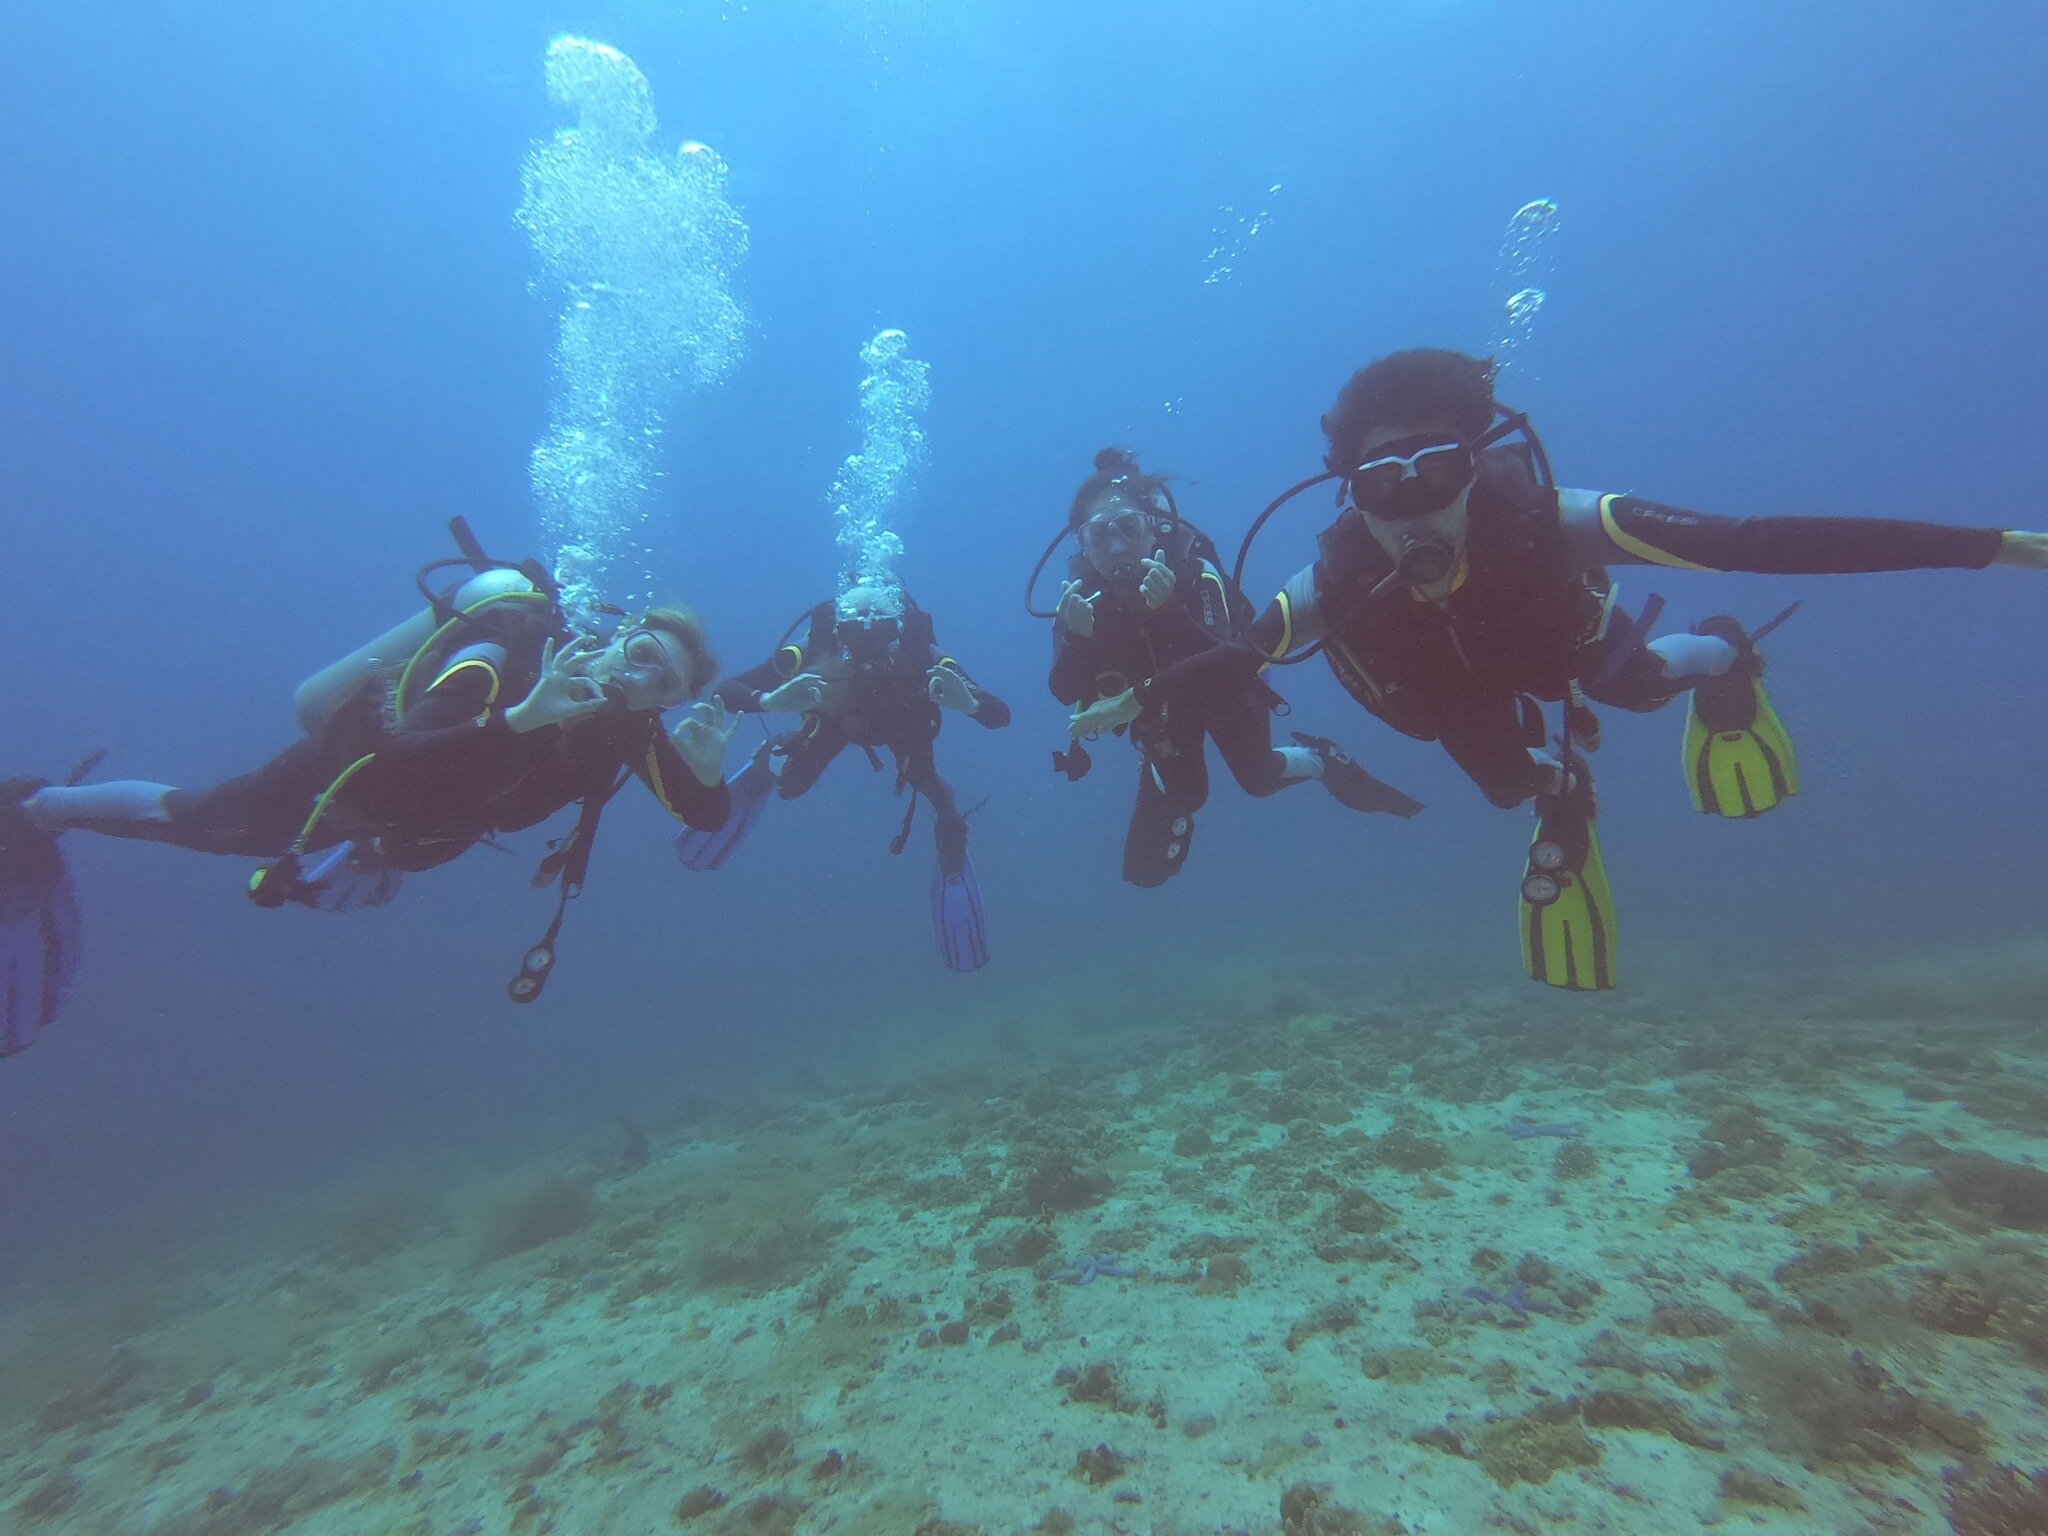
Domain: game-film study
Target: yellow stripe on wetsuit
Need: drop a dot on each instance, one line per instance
(1643, 550)
(654, 778)
(1286, 606)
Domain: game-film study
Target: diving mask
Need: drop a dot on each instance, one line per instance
(1411, 477)
(1408, 492)
(870, 638)
(654, 660)
(1117, 540)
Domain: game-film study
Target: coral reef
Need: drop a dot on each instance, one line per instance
(546, 1210)
(2010, 1194)
(1308, 1510)
(1360, 1251)
(273, 1499)
(1996, 1501)
(1533, 1447)
(1099, 1465)
(1820, 1396)
(758, 1235)
(376, 1223)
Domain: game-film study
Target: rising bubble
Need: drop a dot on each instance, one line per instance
(1525, 267)
(640, 249)
(1231, 233)
(866, 493)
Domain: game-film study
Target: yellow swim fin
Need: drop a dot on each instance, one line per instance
(1739, 758)
(1569, 934)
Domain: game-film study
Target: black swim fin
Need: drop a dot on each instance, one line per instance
(1351, 784)
(39, 926)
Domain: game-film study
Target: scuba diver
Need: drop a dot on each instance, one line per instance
(1144, 590)
(1459, 590)
(868, 673)
(497, 717)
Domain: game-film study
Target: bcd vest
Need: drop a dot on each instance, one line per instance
(1515, 625)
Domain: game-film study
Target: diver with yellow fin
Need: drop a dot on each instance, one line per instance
(1460, 590)
(493, 716)
(1569, 933)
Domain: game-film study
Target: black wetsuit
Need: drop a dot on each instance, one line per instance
(447, 774)
(885, 706)
(1533, 612)
(1132, 644)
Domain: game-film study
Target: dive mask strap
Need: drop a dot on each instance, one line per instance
(1511, 422)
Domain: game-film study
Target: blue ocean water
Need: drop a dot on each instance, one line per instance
(271, 324)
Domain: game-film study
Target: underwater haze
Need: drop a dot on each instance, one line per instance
(1277, 1199)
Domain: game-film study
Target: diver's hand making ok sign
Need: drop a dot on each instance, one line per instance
(700, 738)
(564, 691)
(945, 687)
(800, 695)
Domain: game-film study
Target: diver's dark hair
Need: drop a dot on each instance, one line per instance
(1116, 467)
(1426, 387)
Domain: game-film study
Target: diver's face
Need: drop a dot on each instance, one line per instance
(1117, 538)
(644, 668)
(1412, 486)
(869, 636)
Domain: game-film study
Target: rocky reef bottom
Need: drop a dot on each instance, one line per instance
(1282, 1259)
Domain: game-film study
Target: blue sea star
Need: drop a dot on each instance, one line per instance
(1518, 1300)
(1087, 1266)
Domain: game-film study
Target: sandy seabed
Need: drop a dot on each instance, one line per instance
(1292, 1261)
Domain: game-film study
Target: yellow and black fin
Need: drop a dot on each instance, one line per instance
(1739, 758)
(1569, 932)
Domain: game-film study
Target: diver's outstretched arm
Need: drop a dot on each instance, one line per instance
(1292, 620)
(1609, 529)
(749, 692)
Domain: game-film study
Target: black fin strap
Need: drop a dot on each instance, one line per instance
(1770, 624)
